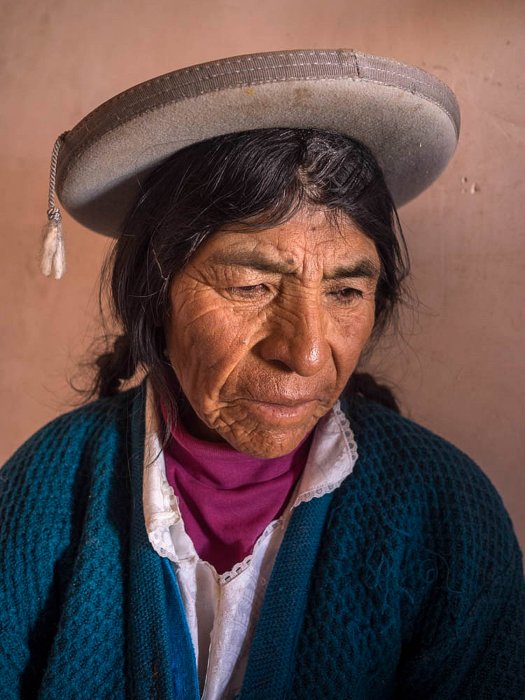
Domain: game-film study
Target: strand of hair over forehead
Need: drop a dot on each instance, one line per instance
(311, 168)
(327, 167)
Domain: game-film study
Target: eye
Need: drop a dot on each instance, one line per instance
(251, 291)
(347, 294)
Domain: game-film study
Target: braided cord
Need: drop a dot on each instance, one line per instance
(53, 212)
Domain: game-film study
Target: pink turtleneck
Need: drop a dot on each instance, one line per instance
(227, 498)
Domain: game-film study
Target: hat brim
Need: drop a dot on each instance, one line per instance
(407, 118)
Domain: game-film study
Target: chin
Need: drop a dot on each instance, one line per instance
(267, 446)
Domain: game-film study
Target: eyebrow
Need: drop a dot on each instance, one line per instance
(365, 267)
(362, 268)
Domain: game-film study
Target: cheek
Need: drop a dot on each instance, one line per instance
(206, 341)
(363, 329)
(359, 322)
(352, 337)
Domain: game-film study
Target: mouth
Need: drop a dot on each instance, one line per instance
(282, 410)
(284, 402)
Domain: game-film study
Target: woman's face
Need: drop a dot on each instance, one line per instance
(266, 328)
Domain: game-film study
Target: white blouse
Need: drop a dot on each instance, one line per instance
(222, 610)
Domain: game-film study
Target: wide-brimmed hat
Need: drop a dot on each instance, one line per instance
(408, 118)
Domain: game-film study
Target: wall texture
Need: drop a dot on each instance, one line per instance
(460, 368)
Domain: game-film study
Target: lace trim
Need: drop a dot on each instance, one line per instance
(318, 492)
(245, 563)
(323, 489)
(160, 538)
(344, 424)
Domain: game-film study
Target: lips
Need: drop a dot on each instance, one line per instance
(283, 402)
(281, 396)
(282, 412)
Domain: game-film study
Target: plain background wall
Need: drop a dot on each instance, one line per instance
(460, 368)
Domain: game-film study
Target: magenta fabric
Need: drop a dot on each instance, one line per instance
(227, 498)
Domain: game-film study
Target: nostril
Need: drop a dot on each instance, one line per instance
(279, 364)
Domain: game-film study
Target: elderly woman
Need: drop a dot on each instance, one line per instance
(251, 520)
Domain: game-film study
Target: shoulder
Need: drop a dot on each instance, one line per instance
(70, 475)
(401, 445)
(422, 482)
(62, 443)
(384, 430)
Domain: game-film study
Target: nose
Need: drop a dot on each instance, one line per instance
(297, 338)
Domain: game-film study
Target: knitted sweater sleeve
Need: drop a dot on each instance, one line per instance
(34, 536)
(469, 639)
(56, 553)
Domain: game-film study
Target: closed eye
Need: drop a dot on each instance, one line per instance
(347, 294)
(250, 291)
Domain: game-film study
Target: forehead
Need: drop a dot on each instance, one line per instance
(309, 237)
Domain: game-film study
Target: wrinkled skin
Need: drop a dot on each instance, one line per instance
(266, 328)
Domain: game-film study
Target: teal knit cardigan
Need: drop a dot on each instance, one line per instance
(406, 582)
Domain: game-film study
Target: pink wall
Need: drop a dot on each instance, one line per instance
(460, 368)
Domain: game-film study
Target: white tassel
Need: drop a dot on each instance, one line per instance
(53, 253)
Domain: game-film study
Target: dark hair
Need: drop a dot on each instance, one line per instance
(254, 179)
